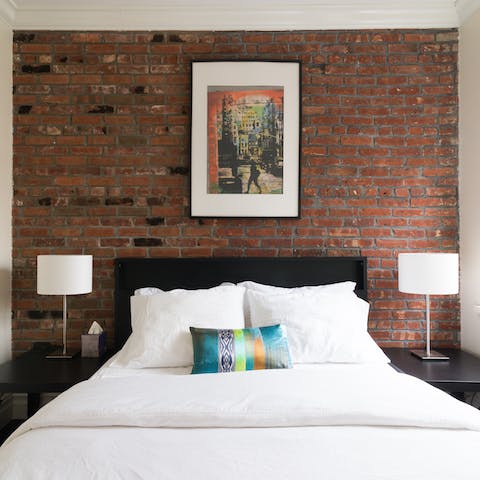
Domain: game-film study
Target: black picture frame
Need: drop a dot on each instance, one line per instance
(245, 139)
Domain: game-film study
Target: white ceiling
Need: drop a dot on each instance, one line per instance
(234, 14)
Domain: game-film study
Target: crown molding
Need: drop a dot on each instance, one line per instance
(7, 11)
(245, 15)
(466, 8)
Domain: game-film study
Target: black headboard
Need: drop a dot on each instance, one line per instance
(190, 273)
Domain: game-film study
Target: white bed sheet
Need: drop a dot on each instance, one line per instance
(298, 451)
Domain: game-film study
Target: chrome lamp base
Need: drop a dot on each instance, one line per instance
(58, 353)
(432, 355)
(63, 352)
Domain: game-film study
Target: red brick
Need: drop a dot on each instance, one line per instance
(379, 160)
(356, 140)
(70, 181)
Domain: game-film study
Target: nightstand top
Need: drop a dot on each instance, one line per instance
(32, 372)
(461, 373)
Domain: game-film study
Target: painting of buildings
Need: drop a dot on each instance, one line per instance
(245, 140)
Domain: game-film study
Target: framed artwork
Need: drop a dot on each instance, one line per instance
(245, 148)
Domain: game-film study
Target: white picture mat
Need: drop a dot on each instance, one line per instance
(285, 74)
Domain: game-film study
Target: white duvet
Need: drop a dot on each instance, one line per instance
(324, 421)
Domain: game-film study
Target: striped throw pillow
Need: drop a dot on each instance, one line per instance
(239, 350)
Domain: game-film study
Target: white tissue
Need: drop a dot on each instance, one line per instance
(95, 329)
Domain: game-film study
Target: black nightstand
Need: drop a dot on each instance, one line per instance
(33, 374)
(458, 375)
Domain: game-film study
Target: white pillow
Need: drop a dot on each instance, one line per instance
(156, 290)
(148, 291)
(320, 327)
(340, 287)
(160, 324)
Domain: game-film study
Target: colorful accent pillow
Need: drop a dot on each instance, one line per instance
(239, 350)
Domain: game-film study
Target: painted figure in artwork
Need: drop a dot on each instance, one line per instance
(254, 174)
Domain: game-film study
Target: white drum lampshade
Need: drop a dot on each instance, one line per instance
(64, 275)
(428, 274)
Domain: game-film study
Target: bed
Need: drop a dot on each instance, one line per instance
(351, 416)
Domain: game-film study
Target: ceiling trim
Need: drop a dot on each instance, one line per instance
(466, 8)
(7, 11)
(246, 15)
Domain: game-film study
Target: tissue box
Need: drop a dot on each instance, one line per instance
(94, 345)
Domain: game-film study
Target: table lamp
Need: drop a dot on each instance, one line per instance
(64, 275)
(428, 274)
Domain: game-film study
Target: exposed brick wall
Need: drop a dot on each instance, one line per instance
(101, 162)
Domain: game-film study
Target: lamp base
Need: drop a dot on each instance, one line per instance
(58, 353)
(422, 354)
